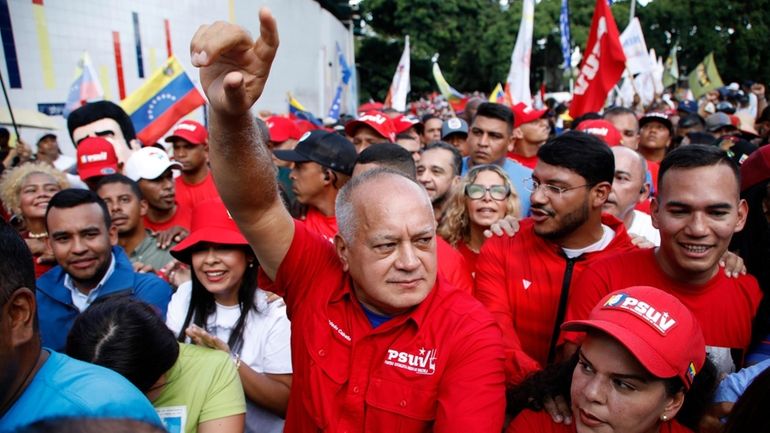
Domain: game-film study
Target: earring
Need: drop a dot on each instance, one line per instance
(664, 418)
(251, 264)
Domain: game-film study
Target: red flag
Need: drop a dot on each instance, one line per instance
(603, 63)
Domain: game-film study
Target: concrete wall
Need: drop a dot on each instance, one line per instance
(50, 36)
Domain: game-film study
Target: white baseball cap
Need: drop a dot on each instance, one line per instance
(148, 163)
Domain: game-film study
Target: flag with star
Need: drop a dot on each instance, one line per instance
(167, 96)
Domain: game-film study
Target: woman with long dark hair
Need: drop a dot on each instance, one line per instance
(222, 308)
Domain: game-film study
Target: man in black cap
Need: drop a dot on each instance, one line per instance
(655, 133)
(322, 162)
(455, 132)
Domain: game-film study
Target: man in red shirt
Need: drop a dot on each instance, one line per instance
(377, 343)
(191, 150)
(322, 163)
(524, 280)
(530, 131)
(697, 210)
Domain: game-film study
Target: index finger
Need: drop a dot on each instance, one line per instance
(211, 41)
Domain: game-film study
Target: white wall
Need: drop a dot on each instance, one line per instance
(308, 35)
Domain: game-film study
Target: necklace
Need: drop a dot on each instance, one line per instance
(40, 235)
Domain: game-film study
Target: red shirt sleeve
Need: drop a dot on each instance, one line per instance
(492, 291)
(587, 290)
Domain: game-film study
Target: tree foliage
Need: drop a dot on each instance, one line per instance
(475, 38)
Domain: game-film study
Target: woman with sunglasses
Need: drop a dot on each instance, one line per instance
(484, 196)
(222, 308)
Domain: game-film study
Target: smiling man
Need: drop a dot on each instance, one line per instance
(525, 280)
(90, 267)
(378, 343)
(697, 210)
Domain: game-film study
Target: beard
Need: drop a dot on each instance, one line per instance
(568, 224)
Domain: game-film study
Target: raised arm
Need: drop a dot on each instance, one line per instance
(233, 72)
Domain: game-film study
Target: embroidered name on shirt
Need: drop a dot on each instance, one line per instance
(339, 331)
(422, 363)
(658, 320)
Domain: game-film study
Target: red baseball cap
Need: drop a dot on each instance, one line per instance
(602, 129)
(401, 123)
(375, 120)
(189, 130)
(211, 222)
(96, 157)
(523, 113)
(282, 129)
(658, 330)
(756, 168)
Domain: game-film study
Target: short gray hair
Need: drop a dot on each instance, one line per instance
(343, 205)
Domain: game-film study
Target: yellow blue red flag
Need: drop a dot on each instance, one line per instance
(298, 111)
(167, 96)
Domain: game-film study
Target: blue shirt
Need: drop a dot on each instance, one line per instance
(732, 386)
(517, 174)
(67, 387)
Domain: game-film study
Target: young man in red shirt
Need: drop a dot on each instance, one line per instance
(524, 280)
(530, 131)
(697, 210)
(191, 150)
(377, 342)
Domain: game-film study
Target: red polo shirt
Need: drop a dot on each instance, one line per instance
(520, 279)
(325, 226)
(182, 217)
(529, 421)
(725, 307)
(190, 194)
(438, 368)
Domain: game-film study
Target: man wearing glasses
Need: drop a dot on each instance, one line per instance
(525, 280)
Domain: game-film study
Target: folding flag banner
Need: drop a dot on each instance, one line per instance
(518, 74)
(400, 85)
(603, 63)
(334, 110)
(298, 111)
(566, 48)
(497, 95)
(167, 96)
(346, 72)
(635, 48)
(705, 77)
(456, 99)
(86, 86)
(671, 72)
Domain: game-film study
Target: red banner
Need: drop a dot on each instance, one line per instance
(603, 63)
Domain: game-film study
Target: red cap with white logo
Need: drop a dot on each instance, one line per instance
(191, 131)
(375, 120)
(523, 113)
(660, 331)
(602, 129)
(96, 157)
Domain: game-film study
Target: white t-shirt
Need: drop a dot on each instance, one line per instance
(607, 236)
(642, 226)
(266, 342)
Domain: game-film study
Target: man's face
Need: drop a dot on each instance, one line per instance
(628, 127)
(435, 173)
(490, 140)
(126, 210)
(308, 180)
(392, 256)
(697, 210)
(109, 129)
(160, 192)
(432, 131)
(48, 149)
(628, 187)
(412, 145)
(654, 136)
(460, 142)
(81, 242)
(536, 131)
(559, 215)
(192, 156)
(364, 136)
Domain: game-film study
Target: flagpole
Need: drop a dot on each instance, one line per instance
(8, 104)
(633, 10)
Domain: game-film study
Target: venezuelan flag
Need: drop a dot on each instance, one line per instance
(167, 96)
(298, 110)
(497, 95)
(455, 98)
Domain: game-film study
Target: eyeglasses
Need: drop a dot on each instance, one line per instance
(551, 190)
(477, 192)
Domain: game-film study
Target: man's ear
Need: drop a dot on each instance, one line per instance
(20, 311)
(517, 134)
(601, 191)
(644, 193)
(143, 207)
(342, 251)
(113, 234)
(654, 211)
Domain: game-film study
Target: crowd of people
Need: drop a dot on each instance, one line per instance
(500, 269)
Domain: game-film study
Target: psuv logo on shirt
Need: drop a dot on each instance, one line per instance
(648, 313)
(422, 361)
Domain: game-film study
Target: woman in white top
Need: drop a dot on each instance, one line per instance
(222, 308)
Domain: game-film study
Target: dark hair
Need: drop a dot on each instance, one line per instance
(427, 117)
(405, 136)
(5, 135)
(580, 119)
(556, 379)
(389, 155)
(495, 111)
(457, 157)
(119, 178)
(93, 111)
(202, 305)
(90, 425)
(73, 197)
(696, 156)
(17, 268)
(618, 111)
(585, 154)
(691, 120)
(750, 411)
(125, 335)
